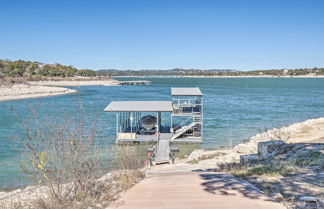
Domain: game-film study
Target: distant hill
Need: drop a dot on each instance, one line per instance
(172, 72)
(212, 72)
(28, 69)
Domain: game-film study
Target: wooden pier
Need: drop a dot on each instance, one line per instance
(133, 83)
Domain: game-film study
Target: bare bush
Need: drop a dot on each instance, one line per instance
(128, 158)
(68, 167)
(61, 156)
(132, 166)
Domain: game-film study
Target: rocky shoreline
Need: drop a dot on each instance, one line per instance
(110, 185)
(286, 163)
(311, 130)
(35, 89)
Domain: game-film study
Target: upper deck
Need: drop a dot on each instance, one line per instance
(139, 106)
(186, 92)
(186, 101)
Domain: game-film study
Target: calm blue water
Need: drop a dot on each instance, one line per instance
(235, 109)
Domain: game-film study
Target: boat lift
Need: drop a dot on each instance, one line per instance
(161, 122)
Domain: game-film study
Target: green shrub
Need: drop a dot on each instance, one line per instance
(311, 158)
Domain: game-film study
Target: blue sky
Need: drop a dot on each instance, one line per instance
(164, 34)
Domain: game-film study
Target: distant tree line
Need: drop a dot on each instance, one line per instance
(213, 72)
(27, 69)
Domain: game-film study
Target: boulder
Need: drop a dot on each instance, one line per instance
(308, 202)
(269, 149)
(308, 199)
(249, 159)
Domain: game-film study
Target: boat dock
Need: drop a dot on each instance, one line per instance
(160, 122)
(133, 83)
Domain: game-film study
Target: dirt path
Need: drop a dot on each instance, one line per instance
(185, 187)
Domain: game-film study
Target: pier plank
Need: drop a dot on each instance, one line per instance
(183, 187)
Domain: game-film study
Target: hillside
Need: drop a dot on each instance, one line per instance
(28, 69)
(37, 70)
(212, 72)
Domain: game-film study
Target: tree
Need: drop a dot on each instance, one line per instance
(87, 73)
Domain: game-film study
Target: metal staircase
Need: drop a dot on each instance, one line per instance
(184, 129)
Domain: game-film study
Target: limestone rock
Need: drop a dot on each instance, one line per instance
(269, 148)
(195, 154)
(308, 199)
(249, 159)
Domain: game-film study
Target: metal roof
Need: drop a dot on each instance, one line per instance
(186, 92)
(139, 106)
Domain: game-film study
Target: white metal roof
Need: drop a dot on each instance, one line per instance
(139, 106)
(186, 92)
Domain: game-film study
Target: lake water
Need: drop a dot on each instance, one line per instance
(234, 109)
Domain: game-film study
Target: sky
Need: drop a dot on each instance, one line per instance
(165, 34)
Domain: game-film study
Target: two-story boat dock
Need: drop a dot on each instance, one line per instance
(162, 122)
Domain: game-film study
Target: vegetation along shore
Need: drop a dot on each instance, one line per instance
(40, 71)
(24, 79)
(275, 161)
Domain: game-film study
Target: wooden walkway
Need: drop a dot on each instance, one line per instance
(183, 187)
(163, 151)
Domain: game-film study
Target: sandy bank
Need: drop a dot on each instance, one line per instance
(110, 82)
(34, 89)
(24, 91)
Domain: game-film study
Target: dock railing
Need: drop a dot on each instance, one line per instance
(186, 107)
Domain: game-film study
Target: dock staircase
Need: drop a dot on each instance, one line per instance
(184, 129)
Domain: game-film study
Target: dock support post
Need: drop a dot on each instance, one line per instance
(171, 126)
(202, 118)
(117, 123)
(131, 122)
(122, 122)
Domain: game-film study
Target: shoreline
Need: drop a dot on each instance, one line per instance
(110, 82)
(198, 76)
(25, 91)
(308, 131)
(35, 89)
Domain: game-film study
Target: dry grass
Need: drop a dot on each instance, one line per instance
(132, 166)
(206, 157)
(268, 169)
(310, 158)
(283, 166)
(284, 176)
